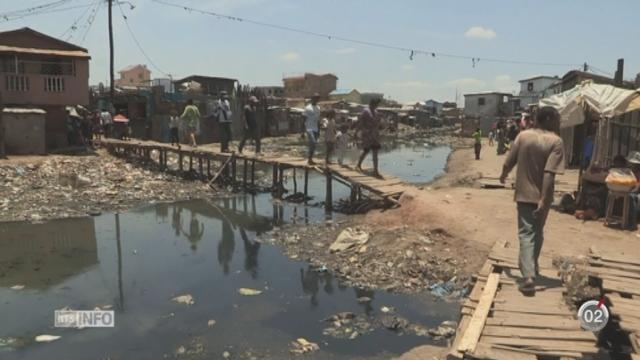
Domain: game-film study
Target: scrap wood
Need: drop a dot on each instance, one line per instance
(488, 352)
(625, 287)
(532, 322)
(474, 330)
(569, 354)
(544, 344)
(614, 265)
(219, 172)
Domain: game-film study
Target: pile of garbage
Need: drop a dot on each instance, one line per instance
(61, 187)
(401, 260)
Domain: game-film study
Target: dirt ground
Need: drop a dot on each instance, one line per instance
(457, 203)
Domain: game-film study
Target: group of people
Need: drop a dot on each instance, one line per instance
(337, 138)
(190, 121)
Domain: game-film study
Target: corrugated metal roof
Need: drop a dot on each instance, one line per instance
(67, 53)
(23, 111)
(341, 92)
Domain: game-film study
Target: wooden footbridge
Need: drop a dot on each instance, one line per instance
(201, 159)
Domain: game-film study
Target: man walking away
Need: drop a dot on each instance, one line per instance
(224, 116)
(191, 118)
(250, 125)
(477, 136)
(174, 126)
(107, 123)
(311, 119)
(369, 124)
(539, 154)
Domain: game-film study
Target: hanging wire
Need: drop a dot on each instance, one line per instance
(356, 41)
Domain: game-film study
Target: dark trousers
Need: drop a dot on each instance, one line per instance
(175, 139)
(477, 148)
(250, 133)
(225, 136)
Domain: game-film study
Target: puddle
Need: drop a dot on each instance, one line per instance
(138, 261)
(191, 248)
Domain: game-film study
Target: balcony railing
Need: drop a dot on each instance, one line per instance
(15, 82)
(54, 84)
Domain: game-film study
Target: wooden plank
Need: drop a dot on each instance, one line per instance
(529, 333)
(532, 322)
(474, 330)
(613, 265)
(620, 259)
(569, 354)
(621, 286)
(544, 344)
(599, 271)
(486, 351)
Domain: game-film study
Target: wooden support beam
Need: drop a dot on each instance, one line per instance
(244, 172)
(208, 167)
(219, 172)
(190, 161)
(253, 172)
(200, 167)
(280, 180)
(306, 184)
(274, 186)
(233, 168)
(474, 330)
(180, 161)
(328, 202)
(295, 182)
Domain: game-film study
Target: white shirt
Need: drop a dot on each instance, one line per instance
(174, 122)
(311, 117)
(224, 112)
(106, 118)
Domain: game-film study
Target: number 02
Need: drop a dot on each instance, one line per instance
(593, 316)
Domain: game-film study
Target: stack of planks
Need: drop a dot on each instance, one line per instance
(498, 322)
(620, 275)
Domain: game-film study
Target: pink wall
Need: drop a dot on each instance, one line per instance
(76, 90)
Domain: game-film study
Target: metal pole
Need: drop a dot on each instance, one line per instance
(111, 51)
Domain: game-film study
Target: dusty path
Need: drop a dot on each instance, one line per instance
(484, 216)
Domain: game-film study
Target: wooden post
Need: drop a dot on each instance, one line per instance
(281, 180)
(295, 182)
(233, 168)
(200, 167)
(208, 167)
(180, 161)
(354, 194)
(244, 173)
(328, 202)
(275, 177)
(306, 184)
(253, 172)
(190, 161)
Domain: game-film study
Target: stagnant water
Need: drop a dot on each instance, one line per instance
(137, 261)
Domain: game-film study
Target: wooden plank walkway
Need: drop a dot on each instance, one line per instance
(516, 326)
(620, 276)
(387, 187)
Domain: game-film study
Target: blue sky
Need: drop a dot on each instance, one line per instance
(183, 43)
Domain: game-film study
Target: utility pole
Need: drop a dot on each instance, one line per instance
(111, 76)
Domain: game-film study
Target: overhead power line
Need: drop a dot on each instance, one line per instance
(410, 51)
(17, 15)
(91, 19)
(74, 26)
(135, 40)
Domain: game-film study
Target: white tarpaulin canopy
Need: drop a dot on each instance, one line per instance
(606, 100)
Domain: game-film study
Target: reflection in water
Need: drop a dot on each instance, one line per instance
(196, 231)
(43, 255)
(251, 249)
(226, 246)
(311, 280)
(365, 293)
(176, 219)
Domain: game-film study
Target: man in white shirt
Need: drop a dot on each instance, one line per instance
(107, 122)
(224, 117)
(311, 119)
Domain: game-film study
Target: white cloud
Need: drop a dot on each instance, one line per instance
(407, 67)
(480, 32)
(505, 83)
(466, 83)
(290, 56)
(407, 84)
(344, 51)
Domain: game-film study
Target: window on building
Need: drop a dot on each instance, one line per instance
(140, 76)
(16, 82)
(54, 84)
(481, 101)
(130, 80)
(529, 86)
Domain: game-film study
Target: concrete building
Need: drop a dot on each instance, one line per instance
(134, 75)
(433, 107)
(39, 71)
(535, 88)
(487, 107)
(306, 85)
(348, 95)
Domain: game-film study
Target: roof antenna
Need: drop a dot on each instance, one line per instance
(411, 56)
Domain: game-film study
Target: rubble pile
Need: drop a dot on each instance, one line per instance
(61, 187)
(400, 259)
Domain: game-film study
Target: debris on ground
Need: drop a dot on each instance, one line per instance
(394, 322)
(46, 338)
(576, 280)
(445, 330)
(17, 287)
(249, 292)
(303, 346)
(347, 325)
(184, 299)
(195, 349)
(349, 238)
(211, 323)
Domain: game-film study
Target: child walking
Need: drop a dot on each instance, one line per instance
(342, 142)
